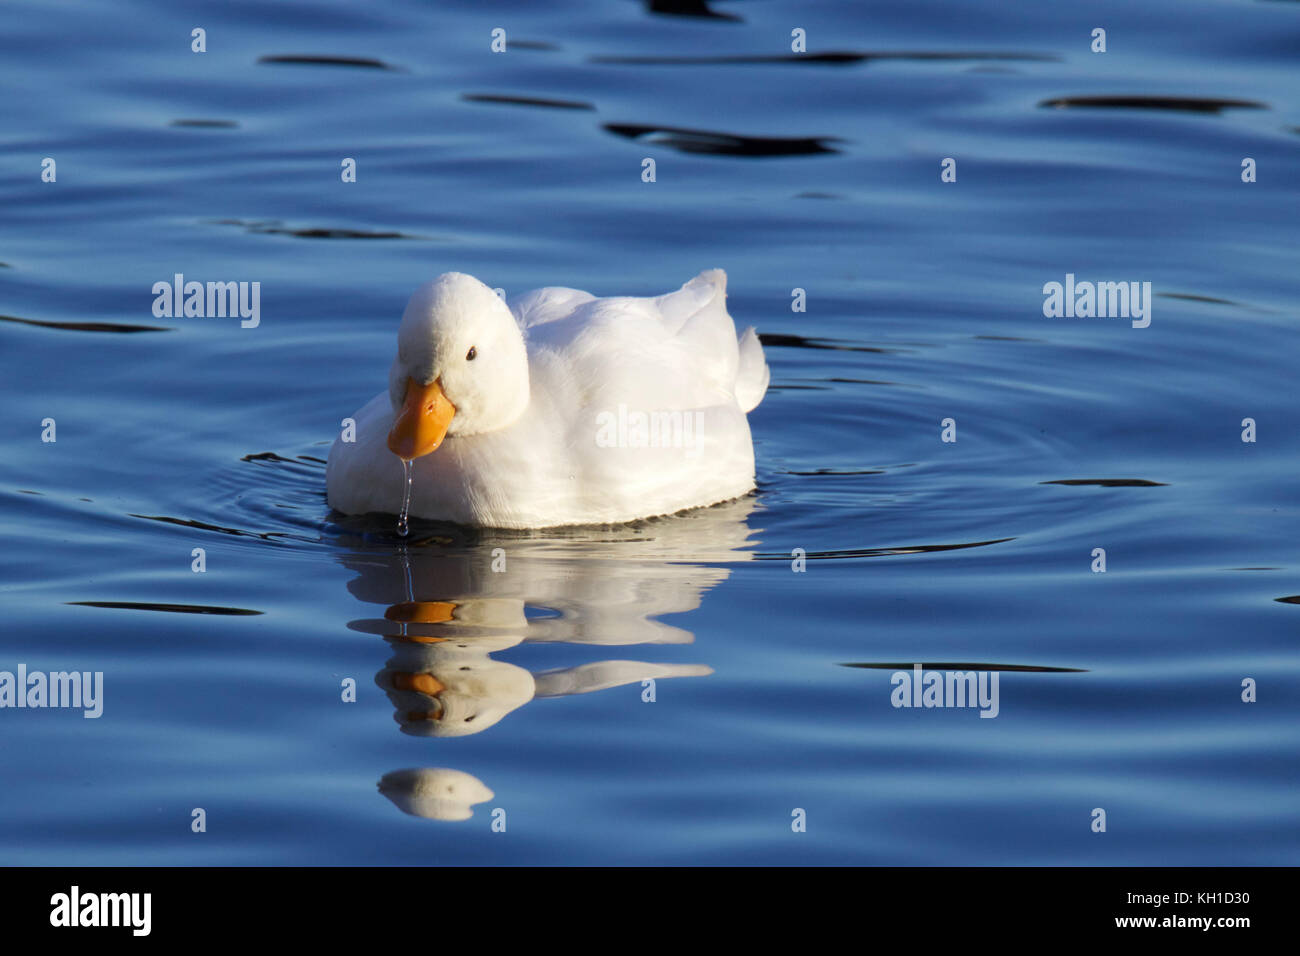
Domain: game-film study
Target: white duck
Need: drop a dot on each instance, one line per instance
(560, 409)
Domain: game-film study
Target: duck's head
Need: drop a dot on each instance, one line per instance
(461, 366)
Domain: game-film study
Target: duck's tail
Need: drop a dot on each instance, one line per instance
(697, 312)
(753, 374)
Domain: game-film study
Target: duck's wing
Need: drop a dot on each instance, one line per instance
(546, 305)
(682, 346)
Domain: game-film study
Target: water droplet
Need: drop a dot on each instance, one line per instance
(402, 527)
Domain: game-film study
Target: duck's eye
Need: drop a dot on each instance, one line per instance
(471, 354)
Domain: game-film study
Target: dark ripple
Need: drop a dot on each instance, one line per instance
(339, 234)
(87, 326)
(273, 536)
(1108, 482)
(272, 456)
(689, 8)
(1185, 104)
(265, 456)
(169, 608)
(879, 552)
(838, 472)
(1190, 297)
(725, 144)
(836, 57)
(273, 227)
(527, 101)
(307, 59)
(780, 339)
(204, 123)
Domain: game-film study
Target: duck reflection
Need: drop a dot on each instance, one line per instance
(452, 687)
(602, 586)
(452, 602)
(434, 793)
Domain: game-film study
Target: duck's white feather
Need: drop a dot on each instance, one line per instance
(594, 365)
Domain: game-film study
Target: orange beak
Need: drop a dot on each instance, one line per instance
(422, 422)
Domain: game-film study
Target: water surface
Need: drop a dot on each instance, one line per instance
(924, 300)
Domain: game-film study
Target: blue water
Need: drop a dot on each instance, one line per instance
(924, 302)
